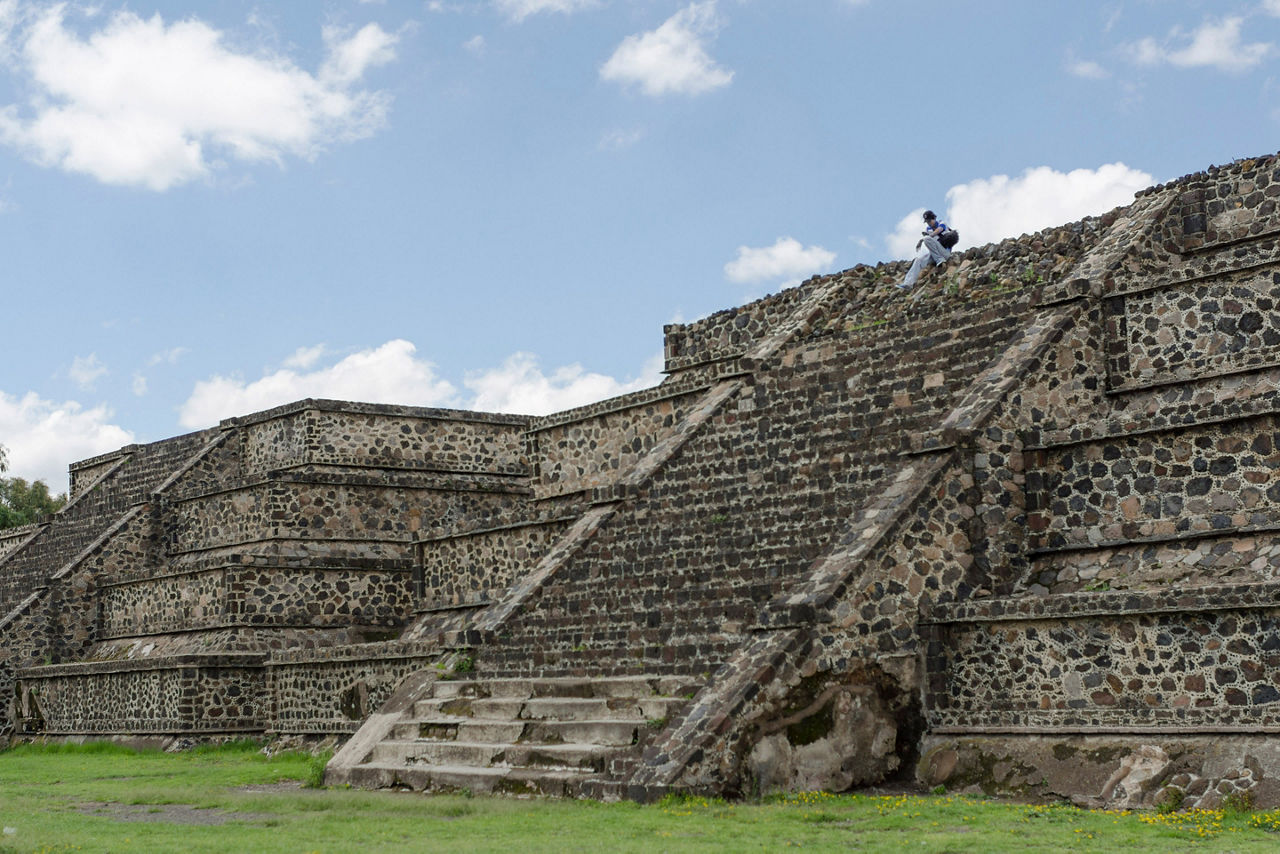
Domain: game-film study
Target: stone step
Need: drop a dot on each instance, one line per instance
(611, 732)
(576, 757)
(462, 778)
(466, 707)
(612, 686)
(548, 708)
(459, 729)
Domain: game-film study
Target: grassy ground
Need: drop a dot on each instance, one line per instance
(233, 799)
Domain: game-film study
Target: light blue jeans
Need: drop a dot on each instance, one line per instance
(929, 250)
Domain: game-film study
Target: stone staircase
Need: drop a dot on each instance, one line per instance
(563, 737)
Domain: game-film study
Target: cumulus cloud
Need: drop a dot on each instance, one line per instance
(387, 374)
(139, 102)
(393, 373)
(475, 45)
(44, 437)
(990, 209)
(520, 386)
(671, 59)
(518, 10)
(1271, 7)
(1211, 45)
(86, 370)
(785, 259)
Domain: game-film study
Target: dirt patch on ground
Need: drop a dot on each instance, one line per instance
(167, 813)
(274, 788)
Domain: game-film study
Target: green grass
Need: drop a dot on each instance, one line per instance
(52, 799)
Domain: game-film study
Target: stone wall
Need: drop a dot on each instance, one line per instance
(588, 447)
(330, 433)
(1225, 205)
(84, 473)
(728, 333)
(1232, 558)
(327, 508)
(1158, 485)
(474, 568)
(1195, 329)
(186, 695)
(256, 596)
(11, 539)
(332, 691)
(1103, 660)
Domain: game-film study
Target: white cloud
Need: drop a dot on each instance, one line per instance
(475, 45)
(304, 357)
(520, 386)
(990, 209)
(44, 437)
(1271, 7)
(518, 10)
(1088, 69)
(785, 259)
(139, 385)
(351, 56)
(1211, 45)
(143, 103)
(387, 374)
(392, 373)
(85, 370)
(672, 58)
(167, 357)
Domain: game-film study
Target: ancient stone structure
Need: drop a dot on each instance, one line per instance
(1017, 532)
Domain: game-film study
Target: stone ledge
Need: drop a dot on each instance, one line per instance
(1236, 597)
(1138, 542)
(391, 566)
(426, 479)
(514, 526)
(355, 408)
(244, 660)
(376, 651)
(1261, 363)
(622, 403)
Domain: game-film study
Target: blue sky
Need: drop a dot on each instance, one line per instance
(211, 208)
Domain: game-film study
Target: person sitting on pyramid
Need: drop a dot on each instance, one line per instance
(928, 249)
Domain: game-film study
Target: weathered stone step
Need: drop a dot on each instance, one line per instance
(549, 708)
(466, 707)
(463, 778)
(459, 729)
(612, 686)
(612, 732)
(588, 757)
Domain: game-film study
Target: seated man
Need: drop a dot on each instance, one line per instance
(927, 249)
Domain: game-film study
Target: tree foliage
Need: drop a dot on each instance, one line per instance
(22, 503)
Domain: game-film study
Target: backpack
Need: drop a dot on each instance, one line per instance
(949, 238)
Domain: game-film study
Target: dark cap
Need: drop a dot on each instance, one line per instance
(928, 215)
